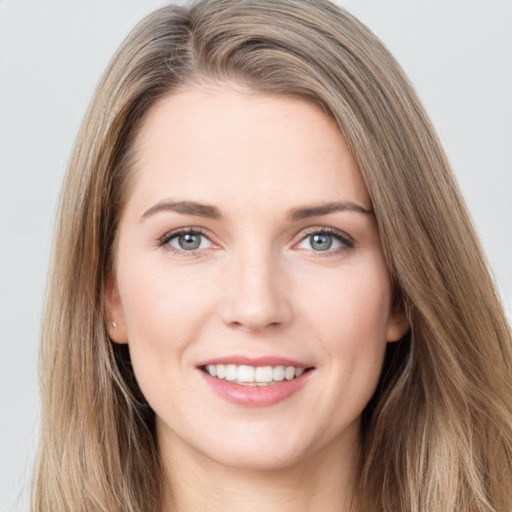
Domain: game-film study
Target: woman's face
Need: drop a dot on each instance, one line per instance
(249, 280)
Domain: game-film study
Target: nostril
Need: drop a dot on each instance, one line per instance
(255, 299)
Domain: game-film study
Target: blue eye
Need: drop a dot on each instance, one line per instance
(325, 240)
(187, 241)
(321, 242)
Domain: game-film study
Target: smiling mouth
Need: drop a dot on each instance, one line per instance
(246, 375)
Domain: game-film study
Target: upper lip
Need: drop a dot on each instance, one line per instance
(256, 361)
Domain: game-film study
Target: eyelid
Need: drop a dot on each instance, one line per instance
(344, 238)
(165, 239)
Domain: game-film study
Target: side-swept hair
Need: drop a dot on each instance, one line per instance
(437, 436)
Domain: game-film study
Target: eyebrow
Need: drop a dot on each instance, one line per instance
(325, 209)
(212, 212)
(184, 207)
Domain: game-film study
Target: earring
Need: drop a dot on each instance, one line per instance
(114, 325)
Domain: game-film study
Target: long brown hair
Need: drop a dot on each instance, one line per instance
(437, 436)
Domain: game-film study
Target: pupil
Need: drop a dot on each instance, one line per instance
(321, 242)
(189, 241)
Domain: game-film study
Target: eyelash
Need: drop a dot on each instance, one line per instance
(164, 241)
(345, 240)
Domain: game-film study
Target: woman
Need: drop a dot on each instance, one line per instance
(266, 292)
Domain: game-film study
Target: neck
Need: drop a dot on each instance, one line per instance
(322, 482)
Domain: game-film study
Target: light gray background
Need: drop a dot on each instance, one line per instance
(458, 54)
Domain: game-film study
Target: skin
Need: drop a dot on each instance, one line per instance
(255, 287)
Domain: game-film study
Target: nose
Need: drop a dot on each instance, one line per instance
(256, 296)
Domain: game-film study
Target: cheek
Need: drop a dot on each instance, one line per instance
(158, 300)
(350, 318)
(355, 300)
(163, 313)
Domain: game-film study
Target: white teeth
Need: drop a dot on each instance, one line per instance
(278, 373)
(263, 374)
(245, 373)
(253, 375)
(289, 373)
(231, 371)
(221, 371)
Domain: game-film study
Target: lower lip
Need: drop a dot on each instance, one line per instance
(255, 396)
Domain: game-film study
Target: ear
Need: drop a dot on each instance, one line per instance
(398, 325)
(116, 324)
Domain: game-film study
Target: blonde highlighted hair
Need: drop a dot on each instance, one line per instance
(437, 435)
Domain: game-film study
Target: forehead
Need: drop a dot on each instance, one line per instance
(219, 143)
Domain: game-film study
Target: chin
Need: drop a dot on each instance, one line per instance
(255, 457)
(245, 446)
